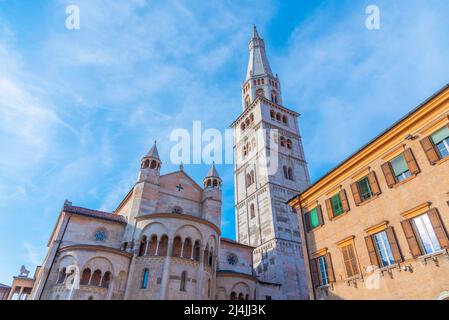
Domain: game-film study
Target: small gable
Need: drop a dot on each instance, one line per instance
(181, 185)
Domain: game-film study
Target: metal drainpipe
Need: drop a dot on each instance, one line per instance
(54, 258)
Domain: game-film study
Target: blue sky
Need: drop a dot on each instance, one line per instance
(79, 108)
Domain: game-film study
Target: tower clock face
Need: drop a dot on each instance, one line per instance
(232, 259)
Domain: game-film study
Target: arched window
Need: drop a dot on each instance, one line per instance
(145, 276)
(153, 164)
(187, 249)
(85, 277)
(290, 173)
(247, 297)
(252, 177)
(251, 117)
(233, 296)
(284, 120)
(245, 151)
(182, 285)
(248, 179)
(62, 274)
(252, 210)
(208, 183)
(247, 102)
(247, 121)
(96, 278)
(240, 296)
(278, 116)
(177, 244)
(163, 246)
(211, 257)
(215, 184)
(196, 251)
(106, 279)
(146, 164)
(208, 288)
(285, 172)
(260, 92)
(282, 142)
(143, 245)
(289, 144)
(152, 245)
(206, 255)
(272, 114)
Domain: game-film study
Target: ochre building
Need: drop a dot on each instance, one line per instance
(375, 227)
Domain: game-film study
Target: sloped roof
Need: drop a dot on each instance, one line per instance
(94, 213)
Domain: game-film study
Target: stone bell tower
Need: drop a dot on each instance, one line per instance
(270, 169)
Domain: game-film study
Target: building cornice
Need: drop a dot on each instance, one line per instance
(182, 216)
(411, 124)
(91, 247)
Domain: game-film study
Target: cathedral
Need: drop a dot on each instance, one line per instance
(163, 241)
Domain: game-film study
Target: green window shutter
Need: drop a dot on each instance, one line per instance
(337, 205)
(399, 165)
(440, 135)
(314, 221)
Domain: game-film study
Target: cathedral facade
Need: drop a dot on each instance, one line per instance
(163, 241)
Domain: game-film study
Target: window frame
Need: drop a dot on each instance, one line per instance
(419, 236)
(368, 185)
(385, 245)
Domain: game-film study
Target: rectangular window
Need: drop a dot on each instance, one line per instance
(365, 189)
(400, 168)
(322, 267)
(427, 236)
(314, 221)
(441, 141)
(337, 206)
(350, 260)
(145, 279)
(383, 249)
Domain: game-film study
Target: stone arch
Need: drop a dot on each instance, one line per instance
(157, 228)
(65, 263)
(96, 278)
(187, 248)
(146, 164)
(196, 250)
(189, 231)
(106, 279)
(153, 164)
(163, 246)
(85, 276)
(241, 289)
(152, 245)
(99, 263)
(177, 246)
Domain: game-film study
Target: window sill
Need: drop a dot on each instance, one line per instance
(315, 229)
(374, 197)
(354, 280)
(400, 183)
(340, 215)
(433, 256)
(389, 269)
(442, 160)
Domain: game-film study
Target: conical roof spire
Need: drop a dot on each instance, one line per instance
(255, 34)
(212, 172)
(258, 63)
(153, 153)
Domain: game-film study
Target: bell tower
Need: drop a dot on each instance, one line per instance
(266, 135)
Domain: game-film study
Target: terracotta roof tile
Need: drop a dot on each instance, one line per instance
(94, 213)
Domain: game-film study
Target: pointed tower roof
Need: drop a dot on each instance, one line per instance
(212, 172)
(153, 153)
(258, 63)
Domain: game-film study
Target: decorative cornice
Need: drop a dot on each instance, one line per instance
(92, 247)
(179, 216)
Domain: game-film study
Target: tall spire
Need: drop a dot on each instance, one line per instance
(213, 172)
(153, 153)
(258, 63)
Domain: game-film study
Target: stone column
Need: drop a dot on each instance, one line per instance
(111, 287)
(166, 271)
(199, 275)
